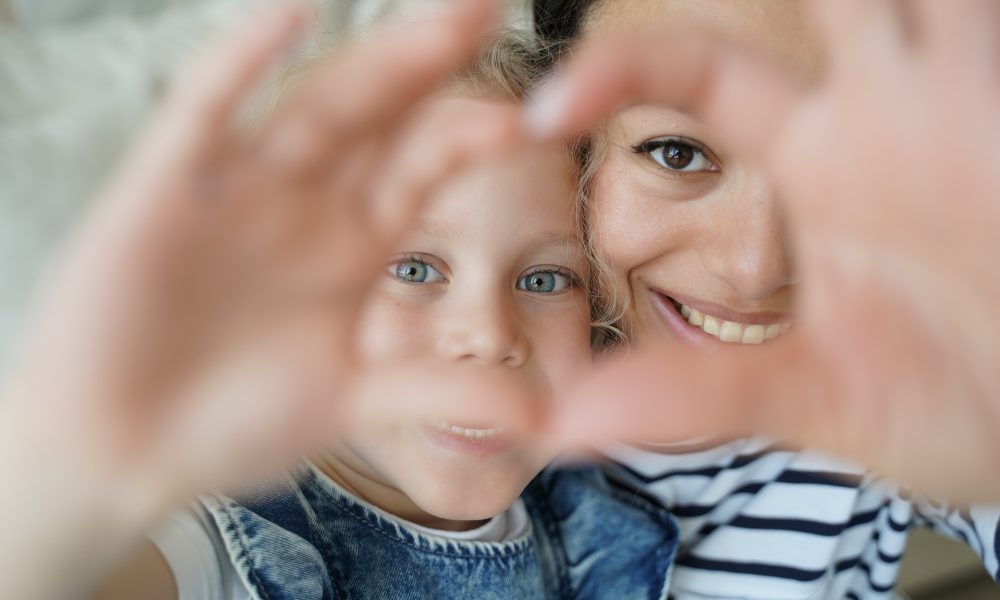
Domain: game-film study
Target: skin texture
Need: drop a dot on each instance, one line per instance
(482, 234)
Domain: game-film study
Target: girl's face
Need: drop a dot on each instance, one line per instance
(490, 276)
(692, 233)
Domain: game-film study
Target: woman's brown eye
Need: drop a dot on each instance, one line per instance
(676, 155)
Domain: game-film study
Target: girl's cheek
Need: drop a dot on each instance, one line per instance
(562, 343)
(390, 329)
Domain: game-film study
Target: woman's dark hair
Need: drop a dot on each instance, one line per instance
(557, 22)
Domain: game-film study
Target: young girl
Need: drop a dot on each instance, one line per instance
(492, 275)
(693, 237)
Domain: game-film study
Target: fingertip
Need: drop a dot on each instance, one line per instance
(467, 21)
(278, 26)
(597, 79)
(289, 24)
(239, 59)
(545, 111)
(478, 15)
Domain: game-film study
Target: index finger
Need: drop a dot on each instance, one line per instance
(372, 84)
(741, 94)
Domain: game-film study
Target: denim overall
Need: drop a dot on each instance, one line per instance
(310, 540)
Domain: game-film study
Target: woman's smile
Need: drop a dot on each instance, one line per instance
(699, 322)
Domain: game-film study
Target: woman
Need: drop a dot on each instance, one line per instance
(698, 243)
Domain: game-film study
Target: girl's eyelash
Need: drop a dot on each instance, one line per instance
(412, 258)
(420, 258)
(574, 280)
(415, 257)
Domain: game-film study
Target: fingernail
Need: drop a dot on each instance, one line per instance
(545, 109)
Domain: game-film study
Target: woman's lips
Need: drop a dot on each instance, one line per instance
(696, 324)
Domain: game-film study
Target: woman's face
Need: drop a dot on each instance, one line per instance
(693, 233)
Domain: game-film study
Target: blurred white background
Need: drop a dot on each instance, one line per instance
(77, 80)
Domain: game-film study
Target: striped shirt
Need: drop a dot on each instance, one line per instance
(760, 522)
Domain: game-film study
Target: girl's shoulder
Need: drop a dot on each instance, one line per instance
(602, 534)
(195, 552)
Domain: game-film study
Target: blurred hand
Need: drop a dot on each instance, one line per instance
(199, 331)
(888, 175)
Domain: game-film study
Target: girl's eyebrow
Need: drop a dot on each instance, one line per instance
(437, 229)
(446, 231)
(558, 238)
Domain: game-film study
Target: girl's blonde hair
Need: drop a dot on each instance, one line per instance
(608, 302)
(510, 65)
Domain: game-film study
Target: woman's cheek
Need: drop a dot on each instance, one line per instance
(620, 229)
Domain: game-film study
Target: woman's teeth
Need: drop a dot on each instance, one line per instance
(730, 331)
(470, 432)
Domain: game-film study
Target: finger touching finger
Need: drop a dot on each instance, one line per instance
(669, 394)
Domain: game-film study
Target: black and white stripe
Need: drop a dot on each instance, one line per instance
(758, 521)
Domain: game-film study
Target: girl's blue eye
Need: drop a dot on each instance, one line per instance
(416, 271)
(544, 282)
(677, 155)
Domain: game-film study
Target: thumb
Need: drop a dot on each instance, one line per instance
(432, 391)
(666, 394)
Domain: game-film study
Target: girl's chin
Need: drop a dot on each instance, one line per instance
(467, 512)
(471, 504)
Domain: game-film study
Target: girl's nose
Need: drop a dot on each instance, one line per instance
(748, 249)
(485, 333)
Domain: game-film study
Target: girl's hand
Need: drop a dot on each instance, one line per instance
(200, 329)
(888, 172)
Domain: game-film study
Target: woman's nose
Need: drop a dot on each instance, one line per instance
(484, 332)
(749, 249)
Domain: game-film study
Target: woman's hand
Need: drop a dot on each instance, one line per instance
(199, 331)
(887, 171)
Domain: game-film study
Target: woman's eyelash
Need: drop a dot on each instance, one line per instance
(653, 144)
(683, 152)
